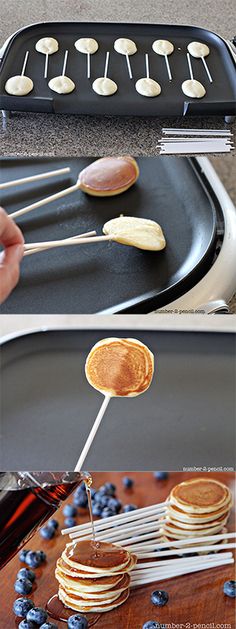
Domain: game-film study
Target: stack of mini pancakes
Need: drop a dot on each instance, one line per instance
(198, 507)
(94, 576)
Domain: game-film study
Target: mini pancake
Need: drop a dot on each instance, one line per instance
(104, 86)
(90, 557)
(142, 233)
(162, 47)
(200, 526)
(194, 518)
(47, 45)
(125, 46)
(61, 84)
(109, 176)
(193, 88)
(168, 538)
(83, 574)
(92, 594)
(179, 533)
(200, 495)
(85, 584)
(198, 50)
(148, 87)
(19, 85)
(86, 45)
(120, 367)
(68, 602)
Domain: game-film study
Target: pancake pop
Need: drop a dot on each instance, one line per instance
(103, 85)
(105, 177)
(191, 87)
(200, 51)
(126, 47)
(87, 46)
(62, 84)
(146, 86)
(47, 46)
(20, 85)
(164, 48)
(116, 367)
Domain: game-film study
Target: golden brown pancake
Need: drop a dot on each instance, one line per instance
(120, 367)
(98, 607)
(194, 518)
(200, 495)
(96, 557)
(198, 527)
(109, 176)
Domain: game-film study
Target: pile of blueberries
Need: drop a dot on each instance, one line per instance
(104, 502)
(35, 617)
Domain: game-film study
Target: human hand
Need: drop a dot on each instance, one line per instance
(12, 241)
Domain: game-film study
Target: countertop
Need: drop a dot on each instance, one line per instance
(194, 599)
(36, 134)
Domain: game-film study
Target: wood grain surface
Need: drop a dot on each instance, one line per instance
(195, 601)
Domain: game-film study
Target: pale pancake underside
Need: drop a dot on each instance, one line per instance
(142, 233)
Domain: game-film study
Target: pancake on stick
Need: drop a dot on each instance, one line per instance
(198, 507)
(94, 576)
(117, 368)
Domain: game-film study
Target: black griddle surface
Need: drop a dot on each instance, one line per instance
(110, 276)
(185, 419)
(219, 100)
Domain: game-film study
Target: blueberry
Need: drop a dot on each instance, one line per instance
(22, 555)
(37, 615)
(159, 598)
(33, 559)
(26, 573)
(93, 493)
(114, 504)
(23, 586)
(26, 624)
(127, 482)
(103, 500)
(69, 511)
(161, 475)
(107, 513)
(77, 622)
(152, 624)
(47, 532)
(107, 490)
(49, 625)
(69, 522)
(53, 523)
(42, 556)
(230, 588)
(22, 606)
(81, 500)
(97, 510)
(128, 508)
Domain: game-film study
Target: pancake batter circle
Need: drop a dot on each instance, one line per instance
(19, 85)
(104, 86)
(61, 85)
(193, 88)
(47, 45)
(148, 87)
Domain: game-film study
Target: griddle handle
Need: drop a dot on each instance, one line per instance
(226, 108)
(26, 103)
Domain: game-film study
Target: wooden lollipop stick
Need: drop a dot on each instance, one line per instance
(50, 244)
(25, 63)
(38, 249)
(92, 434)
(52, 197)
(20, 182)
(168, 67)
(106, 65)
(46, 66)
(207, 69)
(129, 66)
(147, 65)
(190, 66)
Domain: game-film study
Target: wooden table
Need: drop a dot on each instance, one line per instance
(194, 600)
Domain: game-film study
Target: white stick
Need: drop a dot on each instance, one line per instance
(129, 66)
(178, 131)
(168, 67)
(120, 536)
(46, 65)
(193, 540)
(92, 434)
(52, 197)
(195, 549)
(65, 63)
(190, 66)
(145, 520)
(177, 573)
(142, 567)
(135, 529)
(88, 65)
(20, 182)
(147, 65)
(31, 251)
(106, 65)
(25, 63)
(117, 519)
(207, 69)
(64, 243)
